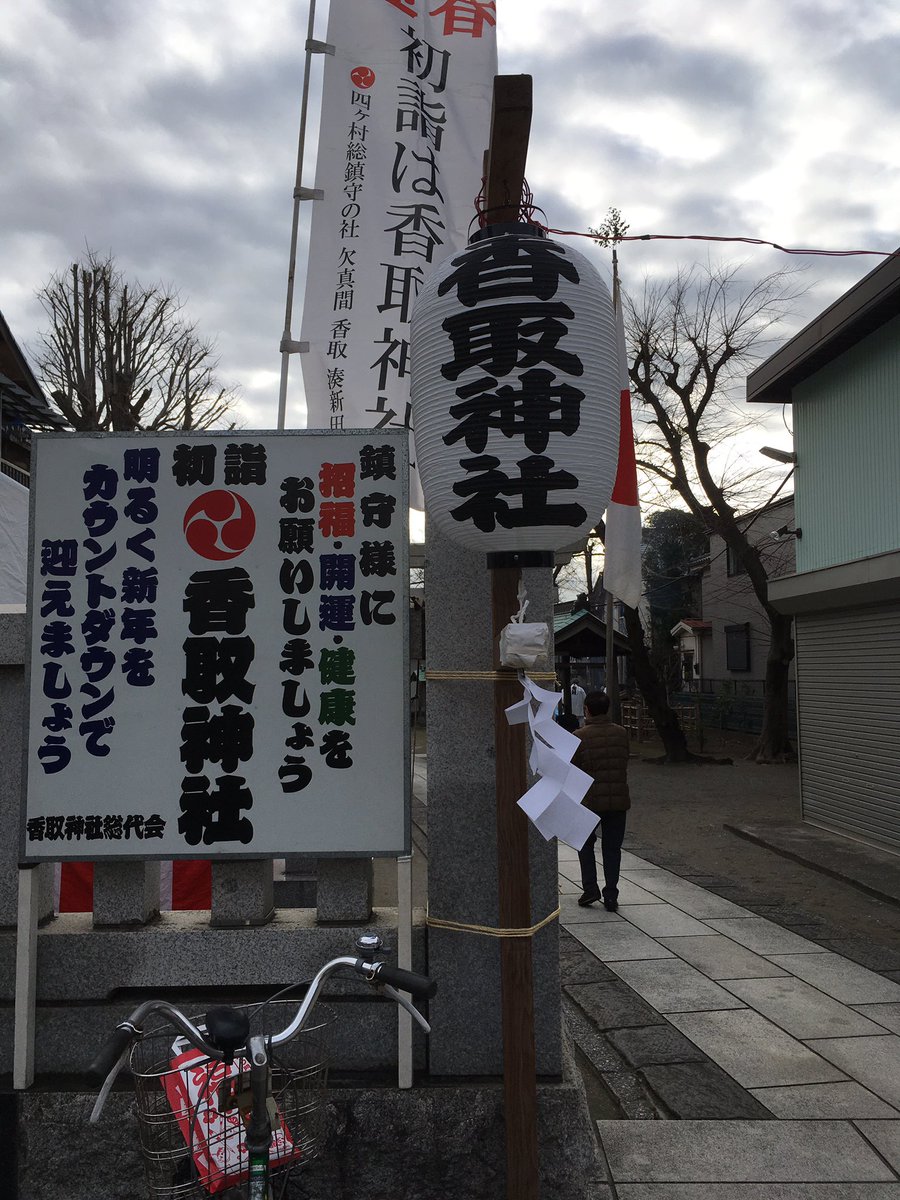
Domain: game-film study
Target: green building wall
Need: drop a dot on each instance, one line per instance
(847, 438)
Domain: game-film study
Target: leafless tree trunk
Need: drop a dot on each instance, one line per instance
(120, 356)
(653, 691)
(689, 340)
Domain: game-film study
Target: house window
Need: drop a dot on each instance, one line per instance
(734, 565)
(737, 647)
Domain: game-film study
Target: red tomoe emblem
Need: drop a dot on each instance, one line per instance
(363, 77)
(219, 525)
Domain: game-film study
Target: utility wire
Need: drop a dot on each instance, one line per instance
(710, 237)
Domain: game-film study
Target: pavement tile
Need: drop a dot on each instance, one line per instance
(885, 1137)
(612, 941)
(841, 1101)
(631, 861)
(834, 975)
(571, 913)
(753, 1050)
(629, 893)
(691, 899)
(582, 968)
(612, 1005)
(740, 1152)
(873, 1061)
(664, 920)
(762, 936)
(887, 1015)
(862, 951)
(720, 958)
(751, 1191)
(697, 1091)
(671, 986)
(655, 1045)
(800, 1009)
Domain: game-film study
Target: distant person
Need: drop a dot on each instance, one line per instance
(576, 702)
(603, 754)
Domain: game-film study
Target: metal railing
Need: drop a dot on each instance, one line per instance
(14, 472)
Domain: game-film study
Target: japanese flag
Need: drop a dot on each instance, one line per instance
(622, 571)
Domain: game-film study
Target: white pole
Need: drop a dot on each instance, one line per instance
(287, 337)
(404, 959)
(26, 978)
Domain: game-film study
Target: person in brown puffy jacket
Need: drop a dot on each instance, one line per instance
(603, 754)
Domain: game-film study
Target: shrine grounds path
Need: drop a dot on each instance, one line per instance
(737, 1022)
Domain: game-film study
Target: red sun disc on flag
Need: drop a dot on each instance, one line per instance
(363, 77)
(219, 525)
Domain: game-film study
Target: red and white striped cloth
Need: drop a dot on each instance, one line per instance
(184, 884)
(622, 568)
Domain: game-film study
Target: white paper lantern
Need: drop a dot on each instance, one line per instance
(515, 393)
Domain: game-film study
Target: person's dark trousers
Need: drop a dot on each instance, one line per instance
(612, 834)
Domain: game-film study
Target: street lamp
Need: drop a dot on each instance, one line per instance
(782, 456)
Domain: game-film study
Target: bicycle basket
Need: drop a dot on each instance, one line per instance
(191, 1111)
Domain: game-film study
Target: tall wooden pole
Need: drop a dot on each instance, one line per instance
(505, 171)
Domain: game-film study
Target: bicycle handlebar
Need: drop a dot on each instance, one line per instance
(419, 986)
(111, 1051)
(376, 973)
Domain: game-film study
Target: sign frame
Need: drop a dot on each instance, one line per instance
(397, 806)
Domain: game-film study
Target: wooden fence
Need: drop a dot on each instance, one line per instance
(637, 720)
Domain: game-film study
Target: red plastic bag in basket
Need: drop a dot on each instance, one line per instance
(217, 1139)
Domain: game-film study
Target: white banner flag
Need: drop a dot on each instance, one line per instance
(405, 122)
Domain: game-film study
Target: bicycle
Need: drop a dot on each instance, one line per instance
(220, 1114)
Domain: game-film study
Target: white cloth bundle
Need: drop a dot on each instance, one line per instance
(524, 644)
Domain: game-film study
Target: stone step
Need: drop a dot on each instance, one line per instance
(716, 1152)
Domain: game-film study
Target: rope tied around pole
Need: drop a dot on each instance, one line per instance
(489, 930)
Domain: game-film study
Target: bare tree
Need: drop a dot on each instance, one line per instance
(120, 356)
(690, 339)
(581, 575)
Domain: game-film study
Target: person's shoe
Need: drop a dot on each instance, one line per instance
(590, 897)
(610, 905)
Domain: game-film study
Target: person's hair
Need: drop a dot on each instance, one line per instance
(597, 703)
(568, 721)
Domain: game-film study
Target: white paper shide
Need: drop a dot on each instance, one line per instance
(553, 804)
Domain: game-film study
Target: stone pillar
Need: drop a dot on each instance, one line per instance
(466, 1036)
(295, 886)
(13, 708)
(344, 891)
(243, 893)
(125, 893)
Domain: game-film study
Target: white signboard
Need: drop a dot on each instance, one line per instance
(405, 122)
(218, 653)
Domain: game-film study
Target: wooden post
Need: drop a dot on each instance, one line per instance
(612, 673)
(505, 170)
(508, 148)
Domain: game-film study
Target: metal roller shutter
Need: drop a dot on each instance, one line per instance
(848, 673)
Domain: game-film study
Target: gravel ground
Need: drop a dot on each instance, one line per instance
(677, 819)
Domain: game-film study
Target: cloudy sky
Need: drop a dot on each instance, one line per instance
(165, 132)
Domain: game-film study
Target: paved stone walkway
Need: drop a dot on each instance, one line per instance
(791, 1048)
